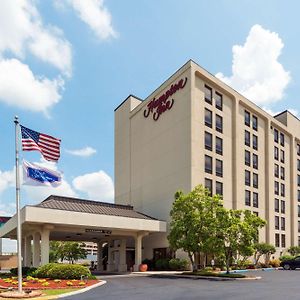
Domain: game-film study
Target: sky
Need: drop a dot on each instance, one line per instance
(65, 65)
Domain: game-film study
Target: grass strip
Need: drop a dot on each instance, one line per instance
(53, 292)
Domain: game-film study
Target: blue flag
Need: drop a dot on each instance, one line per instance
(39, 176)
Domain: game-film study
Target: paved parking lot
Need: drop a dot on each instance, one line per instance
(275, 285)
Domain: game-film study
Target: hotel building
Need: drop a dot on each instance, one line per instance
(194, 129)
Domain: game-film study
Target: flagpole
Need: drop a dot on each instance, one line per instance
(19, 229)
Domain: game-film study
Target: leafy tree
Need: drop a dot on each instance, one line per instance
(263, 249)
(294, 250)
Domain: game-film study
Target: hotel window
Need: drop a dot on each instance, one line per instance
(247, 198)
(219, 123)
(299, 211)
(298, 226)
(255, 213)
(254, 122)
(298, 149)
(298, 240)
(298, 194)
(255, 161)
(282, 156)
(255, 180)
(247, 138)
(275, 135)
(219, 168)
(281, 139)
(277, 240)
(208, 94)
(208, 164)
(247, 178)
(208, 118)
(282, 189)
(276, 171)
(282, 223)
(255, 200)
(247, 158)
(282, 173)
(219, 188)
(208, 141)
(276, 187)
(276, 205)
(208, 185)
(298, 180)
(247, 118)
(219, 101)
(282, 205)
(276, 153)
(283, 240)
(255, 142)
(219, 145)
(298, 164)
(277, 222)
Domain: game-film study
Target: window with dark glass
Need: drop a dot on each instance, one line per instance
(255, 142)
(299, 211)
(219, 145)
(282, 189)
(219, 123)
(255, 200)
(282, 173)
(282, 205)
(256, 213)
(208, 94)
(219, 168)
(282, 223)
(276, 205)
(298, 180)
(281, 139)
(282, 156)
(247, 158)
(298, 240)
(255, 161)
(276, 153)
(208, 141)
(277, 222)
(247, 198)
(247, 118)
(219, 101)
(247, 178)
(277, 244)
(208, 117)
(247, 138)
(298, 226)
(298, 149)
(276, 187)
(208, 185)
(283, 240)
(208, 164)
(298, 194)
(298, 164)
(219, 188)
(255, 180)
(276, 170)
(276, 135)
(254, 122)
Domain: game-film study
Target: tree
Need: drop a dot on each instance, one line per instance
(193, 225)
(263, 249)
(294, 250)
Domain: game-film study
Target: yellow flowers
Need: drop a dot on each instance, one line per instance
(69, 283)
(81, 283)
(45, 283)
(57, 280)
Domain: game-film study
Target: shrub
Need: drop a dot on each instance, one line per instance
(62, 271)
(208, 269)
(178, 264)
(26, 271)
(275, 263)
(162, 264)
(285, 257)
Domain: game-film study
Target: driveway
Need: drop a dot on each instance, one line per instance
(274, 285)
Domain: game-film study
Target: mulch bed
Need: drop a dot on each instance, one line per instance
(39, 284)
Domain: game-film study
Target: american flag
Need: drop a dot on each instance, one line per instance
(46, 144)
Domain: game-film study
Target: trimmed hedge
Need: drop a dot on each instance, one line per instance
(62, 271)
(26, 271)
(177, 264)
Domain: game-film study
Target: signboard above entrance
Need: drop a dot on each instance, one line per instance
(158, 106)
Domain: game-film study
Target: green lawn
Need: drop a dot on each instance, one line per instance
(58, 291)
(212, 274)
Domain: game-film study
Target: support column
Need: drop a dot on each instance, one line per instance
(99, 256)
(36, 249)
(45, 246)
(110, 263)
(27, 254)
(138, 252)
(122, 267)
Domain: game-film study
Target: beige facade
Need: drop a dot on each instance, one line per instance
(194, 129)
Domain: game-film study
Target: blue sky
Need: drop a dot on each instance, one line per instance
(65, 65)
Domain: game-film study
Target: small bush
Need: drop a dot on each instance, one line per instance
(275, 263)
(162, 264)
(62, 271)
(285, 257)
(26, 271)
(208, 269)
(178, 264)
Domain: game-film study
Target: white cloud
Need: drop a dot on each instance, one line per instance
(84, 152)
(97, 185)
(96, 16)
(7, 179)
(256, 71)
(19, 87)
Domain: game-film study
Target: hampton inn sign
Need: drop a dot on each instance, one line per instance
(158, 106)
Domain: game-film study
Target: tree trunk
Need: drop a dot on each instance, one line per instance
(192, 261)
